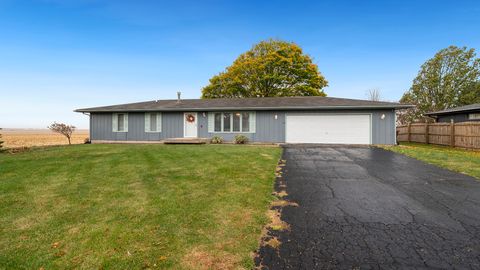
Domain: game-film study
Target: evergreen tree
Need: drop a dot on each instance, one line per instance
(1, 142)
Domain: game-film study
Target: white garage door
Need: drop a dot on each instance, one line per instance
(328, 128)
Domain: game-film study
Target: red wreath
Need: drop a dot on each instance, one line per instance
(190, 118)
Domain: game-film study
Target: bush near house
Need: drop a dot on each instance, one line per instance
(241, 139)
(216, 140)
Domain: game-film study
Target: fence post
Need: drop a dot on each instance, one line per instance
(427, 139)
(452, 133)
(409, 128)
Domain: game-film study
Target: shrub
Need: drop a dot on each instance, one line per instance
(241, 139)
(216, 140)
(1, 143)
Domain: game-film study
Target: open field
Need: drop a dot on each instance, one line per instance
(455, 159)
(134, 206)
(38, 137)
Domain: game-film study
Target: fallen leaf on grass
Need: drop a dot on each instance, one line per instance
(274, 243)
(280, 194)
(60, 253)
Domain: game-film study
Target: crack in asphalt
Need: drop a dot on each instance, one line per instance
(368, 208)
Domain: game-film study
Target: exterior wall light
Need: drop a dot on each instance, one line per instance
(276, 116)
(383, 116)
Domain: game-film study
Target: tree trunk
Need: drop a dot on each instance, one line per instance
(69, 143)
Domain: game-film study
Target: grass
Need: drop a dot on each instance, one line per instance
(459, 160)
(134, 206)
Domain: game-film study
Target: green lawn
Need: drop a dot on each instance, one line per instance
(134, 206)
(459, 160)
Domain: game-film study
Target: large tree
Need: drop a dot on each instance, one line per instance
(449, 79)
(470, 95)
(272, 68)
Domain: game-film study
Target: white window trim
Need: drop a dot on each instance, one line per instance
(474, 116)
(115, 122)
(147, 123)
(252, 117)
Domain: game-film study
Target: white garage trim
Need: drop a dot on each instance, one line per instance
(288, 140)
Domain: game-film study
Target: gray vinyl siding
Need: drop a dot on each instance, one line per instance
(268, 129)
(383, 131)
(101, 127)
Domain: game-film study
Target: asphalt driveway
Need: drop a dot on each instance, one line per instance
(368, 208)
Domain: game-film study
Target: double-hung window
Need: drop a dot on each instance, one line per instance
(153, 122)
(227, 122)
(232, 122)
(120, 122)
(217, 122)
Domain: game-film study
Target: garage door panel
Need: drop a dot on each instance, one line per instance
(325, 128)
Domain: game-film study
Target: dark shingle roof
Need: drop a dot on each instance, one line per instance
(270, 103)
(467, 108)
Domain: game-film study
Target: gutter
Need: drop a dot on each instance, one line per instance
(452, 112)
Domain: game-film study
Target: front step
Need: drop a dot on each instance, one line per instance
(186, 141)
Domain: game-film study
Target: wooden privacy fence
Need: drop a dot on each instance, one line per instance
(465, 134)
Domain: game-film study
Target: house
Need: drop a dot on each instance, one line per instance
(459, 114)
(271, 120)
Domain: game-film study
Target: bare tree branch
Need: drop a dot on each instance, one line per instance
(373, 94)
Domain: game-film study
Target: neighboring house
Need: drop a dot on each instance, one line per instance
(270, 120)
(459, 114)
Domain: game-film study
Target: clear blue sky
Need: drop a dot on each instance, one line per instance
(56, 56)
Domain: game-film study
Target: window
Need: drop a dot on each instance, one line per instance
(245, 122)
(474, 116)
(153, 122)
(236, 122)
(120, 122)
(227, 118)
(218, 122)
(232, 122)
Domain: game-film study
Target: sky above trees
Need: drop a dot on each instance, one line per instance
(56, 56)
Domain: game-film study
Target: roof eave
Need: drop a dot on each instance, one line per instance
(289, 108)
(453, 112)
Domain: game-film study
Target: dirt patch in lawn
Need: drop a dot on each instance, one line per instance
(270, 233)
(200, 259)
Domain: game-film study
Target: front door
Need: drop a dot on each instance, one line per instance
(190, 125)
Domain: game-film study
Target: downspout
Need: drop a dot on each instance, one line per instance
(89, 125)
